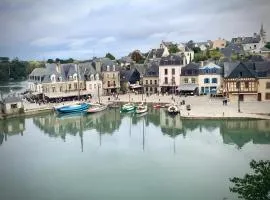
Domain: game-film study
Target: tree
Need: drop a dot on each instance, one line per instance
(196, 49)
(50, 61)
(190, 44)
(110, 56)
(215, 54)
(137, 56)
(267, 45)
(173, 49)
(254, 186)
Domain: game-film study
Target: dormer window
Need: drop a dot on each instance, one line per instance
(108, 68)
(113, 67)
(53, 78)
(75, 76)
(92, 77)
(97, 76)
(60, 79)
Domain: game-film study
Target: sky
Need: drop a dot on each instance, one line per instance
(81, 29)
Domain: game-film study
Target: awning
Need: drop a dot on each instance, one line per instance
(187, 87)
(66, 94)
(133, 86)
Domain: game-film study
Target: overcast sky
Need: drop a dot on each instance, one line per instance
(81, 29)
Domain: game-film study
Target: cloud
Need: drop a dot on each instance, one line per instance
(74, 29)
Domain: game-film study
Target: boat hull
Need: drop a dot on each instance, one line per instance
(73, 108)
(96, 109)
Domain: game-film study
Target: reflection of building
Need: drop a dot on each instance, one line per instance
(9, 127)
(171, 125)
(241, 132)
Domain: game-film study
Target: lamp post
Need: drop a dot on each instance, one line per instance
(238, 84)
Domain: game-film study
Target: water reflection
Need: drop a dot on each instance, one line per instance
(236, 132)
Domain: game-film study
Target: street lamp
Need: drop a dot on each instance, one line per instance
(238, 84)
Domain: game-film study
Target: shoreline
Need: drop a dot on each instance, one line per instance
(199, 109)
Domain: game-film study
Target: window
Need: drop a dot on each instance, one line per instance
(90, 86)
(75, 86)
(151, 89)
(95, 86)
(241, 74)
(146, 82)
(173, 80)
(60, 89)
(69, 86)
(146, 89)
(81, 85)
(186, 80)
(113, 75)
(206, 80)
(166, 80)
(108, 83)
(165, 71)
(155, 82)
(246, 84)
(193, 80)
(173, 71)
(13, 106)
(267, 96)
(151, 82)
(214, 80)
(267, 85)
(114, 83)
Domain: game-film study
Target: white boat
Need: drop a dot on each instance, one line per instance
(128, 107)
(97, 108)
(141, 108)
(173, 109)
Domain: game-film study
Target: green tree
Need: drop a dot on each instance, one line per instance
(255, 186)
(173, 49)
(50, 61)
(267, 45)
(215, 54)
(137, 57)
(110, 56)
(196, 49)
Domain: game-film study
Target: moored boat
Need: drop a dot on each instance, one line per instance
(128, 107)
(97, 108)
(173, 109)
(80, 107)
(157, 106)
(141, 108)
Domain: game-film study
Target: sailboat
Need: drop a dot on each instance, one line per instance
(98, 107)
(141, 108)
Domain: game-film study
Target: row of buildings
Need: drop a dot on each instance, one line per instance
(162, 72)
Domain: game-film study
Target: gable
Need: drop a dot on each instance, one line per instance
(241, 71)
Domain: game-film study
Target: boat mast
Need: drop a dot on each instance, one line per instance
(77, 66)
(98, 94)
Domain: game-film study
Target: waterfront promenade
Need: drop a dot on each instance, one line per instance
(201, 106)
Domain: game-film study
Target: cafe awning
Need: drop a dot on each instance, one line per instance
(65, 94)
(187, 87)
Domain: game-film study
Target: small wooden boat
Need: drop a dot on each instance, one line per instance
(173, 109)
(96, 108)
(141, 108)
(128, 107)
(73, 108)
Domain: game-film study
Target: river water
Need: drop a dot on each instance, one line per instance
(117, 156)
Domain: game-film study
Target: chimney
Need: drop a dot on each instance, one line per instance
(201, 63)
(254, 35)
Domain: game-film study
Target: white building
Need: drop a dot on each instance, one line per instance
(94, 85)
(209, 79)
(169, 73)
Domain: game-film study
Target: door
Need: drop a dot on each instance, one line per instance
(241, 97)
(259, 96)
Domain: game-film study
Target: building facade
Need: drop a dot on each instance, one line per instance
(111, 79)
(210, 79)
(169, 73)
(151, 79)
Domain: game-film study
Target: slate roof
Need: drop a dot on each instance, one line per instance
(12, 99)
(171, 60)
(38, 72)
(262, 68)
(131, 76)
(231, 49)
(232, 70)
(157, 52)
(152, 71)
(246, 40)
(191, 66)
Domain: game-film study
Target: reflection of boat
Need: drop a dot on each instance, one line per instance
(113, 105)
(157, 106)
(96, 108)
(128, 107)
(73, 115)
(173, 109)
(141, 108)
(73, 108)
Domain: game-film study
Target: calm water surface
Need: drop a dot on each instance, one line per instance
(110, 155)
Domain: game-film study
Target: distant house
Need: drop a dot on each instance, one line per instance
(189, 79)
(157, 54)
(219, 43)
(210, 79)
(252, 44)
(111, 77)
(169, 73)
(232, 49)
(188, 53)
(128, 77)
(151, 79)
(126, 61)
(12, 105)
(240, 81)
